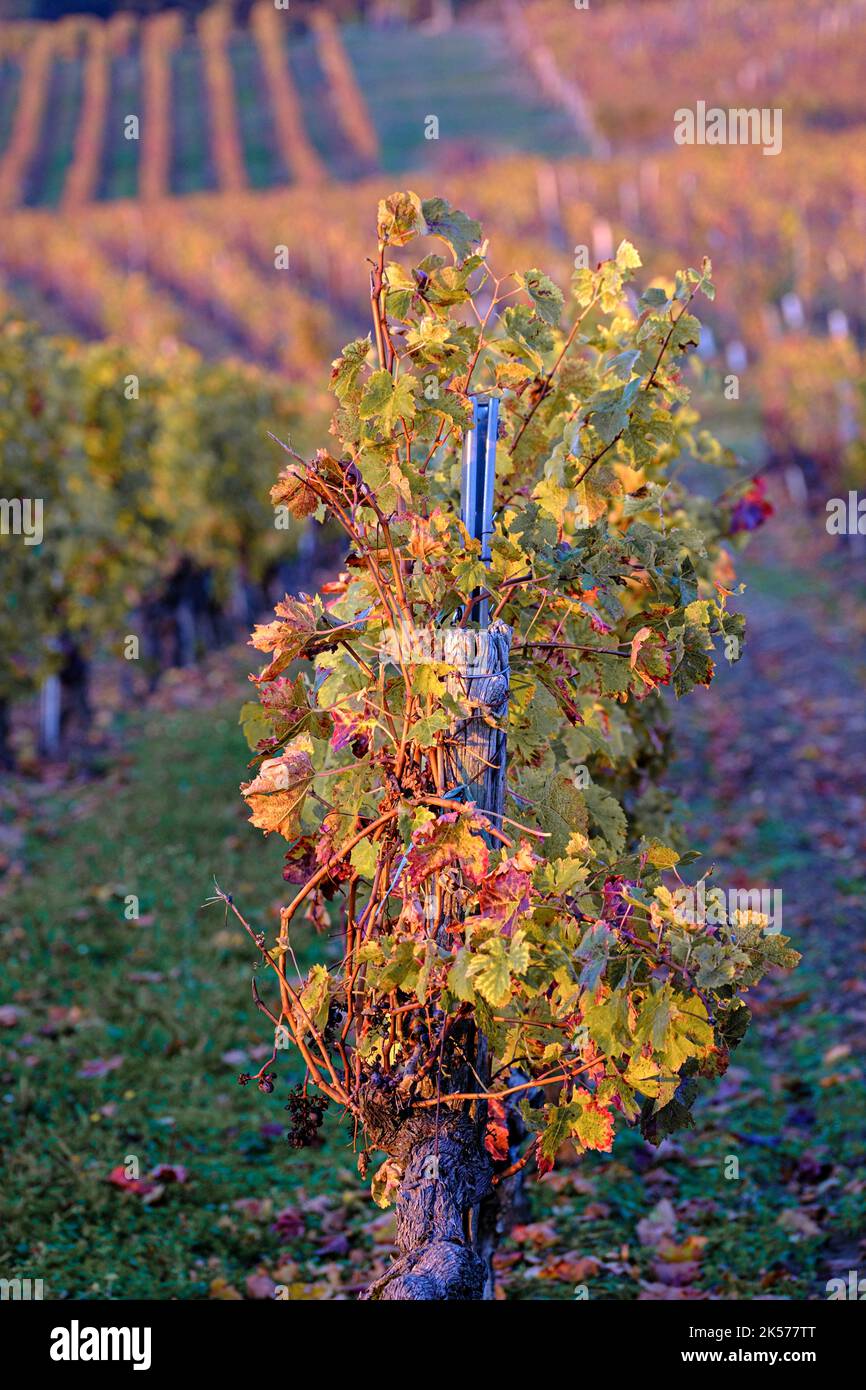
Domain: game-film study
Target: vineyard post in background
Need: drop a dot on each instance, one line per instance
(49, 715)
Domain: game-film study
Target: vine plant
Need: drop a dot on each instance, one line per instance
(554, 990)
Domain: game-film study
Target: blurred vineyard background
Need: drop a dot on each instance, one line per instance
(194, 186)
(186, 199)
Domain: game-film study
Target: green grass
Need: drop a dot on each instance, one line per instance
(192, 169)
(10, 87)
(468, 78)
(57, 138)
(119, 177)
(321, 122)
(170, 995)
(261, 159)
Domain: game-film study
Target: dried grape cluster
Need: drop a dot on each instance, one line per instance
(306, 1114)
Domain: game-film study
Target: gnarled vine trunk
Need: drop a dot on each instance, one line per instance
(446, 1176)
(449, 1209)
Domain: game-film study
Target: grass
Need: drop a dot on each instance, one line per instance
(57, 138)
(261, 158)
(192, 168)
(10, 88)
(119, 176)
(318, 109)
(466, 77)
(170, 995)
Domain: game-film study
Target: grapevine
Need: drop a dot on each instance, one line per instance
(553, 930)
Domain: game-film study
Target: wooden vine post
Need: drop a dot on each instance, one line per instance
(449, 1208)
(477, 751)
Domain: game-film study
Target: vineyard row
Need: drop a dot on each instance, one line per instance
(153, 87)
(272, 275)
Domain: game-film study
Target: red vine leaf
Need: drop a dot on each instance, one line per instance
(452, 840)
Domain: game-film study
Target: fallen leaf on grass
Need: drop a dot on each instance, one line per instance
(840, 1078)
(256, 1208)
(537, 1233)
(310, 1293)
(169, 1172)
(151, 1187)
(659, 1225)
(289, 1224)
(100, 1066)
(140, 1186)
(260, 1285)
(595, 1211)
(665, 1291)
(797, 1223)
(334, 1245)
(506, 1259)
(383, 1229)
(687, 1250)
(235, 1057)
(223, 1290)
(570, 1268)
(686, 1272)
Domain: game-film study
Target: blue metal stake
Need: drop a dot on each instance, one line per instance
(477, 483)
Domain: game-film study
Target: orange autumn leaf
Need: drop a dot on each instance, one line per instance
(684, 1252)
(451, 839)
(276, 795)
(570, 1268)
(496, 1133)
(536, 1233)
